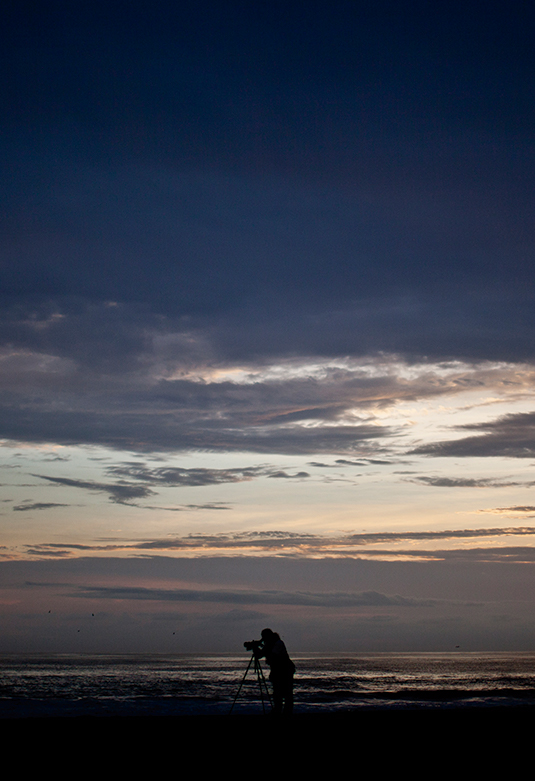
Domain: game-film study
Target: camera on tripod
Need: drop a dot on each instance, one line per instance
(257, 648)
(254, 645)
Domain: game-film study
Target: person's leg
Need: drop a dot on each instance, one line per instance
(278, 694)
(289, 696)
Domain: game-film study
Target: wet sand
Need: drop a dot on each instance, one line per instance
(393, 739)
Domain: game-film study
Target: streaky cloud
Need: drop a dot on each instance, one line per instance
(515, 510)
(468, 482)
(512, 436)
(121, 493)
(289, 544)
(196, 477)
(38, 506)
(305, 599)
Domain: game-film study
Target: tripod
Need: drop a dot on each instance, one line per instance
(262, 684)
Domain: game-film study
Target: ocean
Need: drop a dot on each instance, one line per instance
(215, 684)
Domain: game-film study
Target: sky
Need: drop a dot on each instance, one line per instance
(267, 341)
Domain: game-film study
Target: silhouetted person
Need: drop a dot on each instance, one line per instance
(282, 672)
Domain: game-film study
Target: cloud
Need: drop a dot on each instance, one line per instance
(304, 599)
(440, 535)
(292, 544)
(184, 507)
(468, 482)
(515, 510)
(504, 555)
(50, 553)
(511, 436)
(195, 477)
(365, 462)
(285, 476)
(153, 432)
(122, 493)
(171, 402)
(316, 246)
(37, 506)
(442, 599)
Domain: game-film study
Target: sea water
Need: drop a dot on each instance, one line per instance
(152, 685)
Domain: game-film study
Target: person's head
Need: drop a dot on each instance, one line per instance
(269, 637)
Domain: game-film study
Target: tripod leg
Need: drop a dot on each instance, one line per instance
(262, 685)
(242, 682)
(264, 691)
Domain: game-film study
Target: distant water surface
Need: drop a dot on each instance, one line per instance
(130, 685)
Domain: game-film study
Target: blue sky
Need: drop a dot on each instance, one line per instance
(266, 332)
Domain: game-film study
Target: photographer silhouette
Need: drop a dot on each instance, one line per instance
(282, 670)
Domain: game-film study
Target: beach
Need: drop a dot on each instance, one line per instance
(397, 741)
(143, 711)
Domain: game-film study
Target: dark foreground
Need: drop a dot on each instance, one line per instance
(417, 741)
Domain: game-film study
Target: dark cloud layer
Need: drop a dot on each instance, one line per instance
(327, 178)
(153, 432)
(202, 185)
(330, 409)
(255, 598)
(352, 604)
